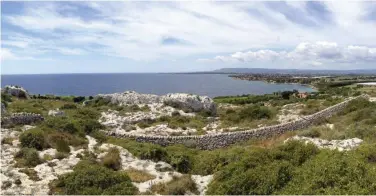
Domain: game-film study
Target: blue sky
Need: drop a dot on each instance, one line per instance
(97, 37)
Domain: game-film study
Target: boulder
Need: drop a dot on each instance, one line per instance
(190, 102)
(130, 97)
(195, 103)
(56, 112)
(17, 92)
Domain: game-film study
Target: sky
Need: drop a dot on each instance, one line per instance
(111, 37)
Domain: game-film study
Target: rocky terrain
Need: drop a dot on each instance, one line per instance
(190, 102)
(20, 180)
(340, 145)
(15, 182)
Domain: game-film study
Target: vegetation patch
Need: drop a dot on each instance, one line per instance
(27, 157)
(139, 175)
(112, 159)
(90, 178)
(33, 175)
(177, 186)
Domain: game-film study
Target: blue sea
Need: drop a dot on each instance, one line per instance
(91, 84)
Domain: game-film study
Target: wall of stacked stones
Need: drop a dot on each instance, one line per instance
(219, 140)
(21, 119)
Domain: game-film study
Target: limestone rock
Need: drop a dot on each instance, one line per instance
(192, 102)
(3, 110)
(56, 112)
(130, 97)
(17, 91)
(340, 145)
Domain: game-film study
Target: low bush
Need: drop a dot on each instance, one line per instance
(78, 99)
(68, 106)
(112, 159)
(63, 124)
(33, 138)
(89, 178)
(139, 175)
(177, 186)
(313, 132)
(61, 155)
(62, 146)
(27, 157)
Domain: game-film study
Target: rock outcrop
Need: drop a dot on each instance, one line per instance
(194, 103)
(22, 118)
(3, 110)
(56, 112)
(340, 145)
(16, 91)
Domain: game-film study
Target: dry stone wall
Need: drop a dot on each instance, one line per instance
(219, 140)
(21, 119)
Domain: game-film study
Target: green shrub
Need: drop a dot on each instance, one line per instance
(313, 132)
(28, 157)
(63, 124)
(99, 136)
(261, 171)
(177, 186)
(181, 163)
(89, 125)
(62, 146)
(333, 172)
(112, 159)
(155, 154)
(61, 155)
(89, 178)
(69, 106)
(33, 138)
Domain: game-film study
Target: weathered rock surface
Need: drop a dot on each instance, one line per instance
(16, 91)
(290, 112)
(192, 102)
(3, 109)
(56, 112)
(340, 145)
(22, 118)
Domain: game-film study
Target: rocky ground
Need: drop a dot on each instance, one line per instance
(17, 183)
(290, 112)
(340, 145)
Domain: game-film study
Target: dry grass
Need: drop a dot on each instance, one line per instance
(31, 173)
(274, 141)
(139, 175)
(177, 186)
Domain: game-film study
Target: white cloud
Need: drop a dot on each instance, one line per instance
(7, 55)
(311, 53)
(135, 29)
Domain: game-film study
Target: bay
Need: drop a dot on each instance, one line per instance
(91, 84)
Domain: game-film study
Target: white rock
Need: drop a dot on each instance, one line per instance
(340, 145)
(193, 102)
(56, 112)
(202, 182)
(16, 91)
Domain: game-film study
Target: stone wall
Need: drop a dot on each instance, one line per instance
(219, 140)
(21, 119)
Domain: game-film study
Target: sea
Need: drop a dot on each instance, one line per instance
(211, 85)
